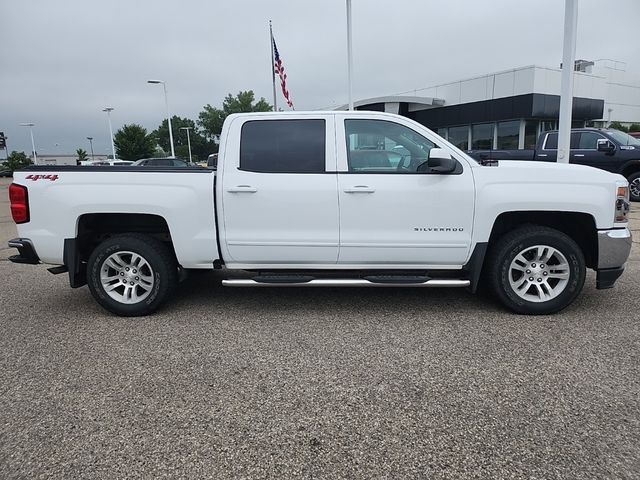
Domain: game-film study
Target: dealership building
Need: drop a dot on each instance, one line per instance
(509, 109)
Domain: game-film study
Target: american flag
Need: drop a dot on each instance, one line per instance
(279, 69)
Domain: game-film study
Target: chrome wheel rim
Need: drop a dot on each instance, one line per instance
(634, 187)
(127, 277)
(539, 273)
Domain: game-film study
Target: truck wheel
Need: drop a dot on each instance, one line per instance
(536, 270)
(131, 275)
(634, 187)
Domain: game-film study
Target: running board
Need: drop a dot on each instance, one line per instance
(328, 282)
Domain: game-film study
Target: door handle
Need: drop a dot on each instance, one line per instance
(242, 189)
(360, 189)
(542, 154)
(578, 154)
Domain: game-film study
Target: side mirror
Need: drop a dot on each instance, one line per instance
(605, 145)
(439, 161)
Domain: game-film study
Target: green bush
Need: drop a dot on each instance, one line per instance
(17, 161)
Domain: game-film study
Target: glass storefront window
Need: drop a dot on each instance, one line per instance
(546, 125)
(530, 134)
(443, 132)
(482, 136)
(459, 136)
(508, 135)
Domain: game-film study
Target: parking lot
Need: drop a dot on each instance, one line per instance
(315, 383)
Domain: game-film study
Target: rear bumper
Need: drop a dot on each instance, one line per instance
(614, 247)
(26, 253)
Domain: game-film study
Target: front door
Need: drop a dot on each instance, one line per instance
(279, 191)
(586, 152)
(392, 214)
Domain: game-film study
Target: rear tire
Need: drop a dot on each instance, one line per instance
(131, 275)
(634, 187)
(536, 270)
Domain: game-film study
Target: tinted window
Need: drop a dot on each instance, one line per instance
(283, 146)
(508, 135)
(459, 136)
(530, 134)
(589, 140)
(552, 141)
(379, 146)
(482, 136)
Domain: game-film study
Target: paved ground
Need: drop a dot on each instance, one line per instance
(261, 383)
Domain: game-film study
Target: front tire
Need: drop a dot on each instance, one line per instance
(634, 187)
(131, 275)
(536, 270)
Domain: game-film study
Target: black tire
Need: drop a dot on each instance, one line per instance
(501, 274)
(634, 187)
(160, 266)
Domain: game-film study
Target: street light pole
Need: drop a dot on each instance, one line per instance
(188, 141)
(91, 143)
(349, 55)
(113, 147)
(566, 83)
(166, 104)
(33, 144)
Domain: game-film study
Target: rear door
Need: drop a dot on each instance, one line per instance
(279, 194)
(549, 150)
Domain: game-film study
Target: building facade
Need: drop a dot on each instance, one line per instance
(510, 109)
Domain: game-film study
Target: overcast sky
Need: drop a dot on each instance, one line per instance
(63, 61)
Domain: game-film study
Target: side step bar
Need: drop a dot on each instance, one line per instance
(355, 282)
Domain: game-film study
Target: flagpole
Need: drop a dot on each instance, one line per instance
(273, 71)
(349, 56)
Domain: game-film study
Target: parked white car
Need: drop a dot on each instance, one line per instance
(328, 199)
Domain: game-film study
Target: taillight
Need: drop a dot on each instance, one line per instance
(19, 200)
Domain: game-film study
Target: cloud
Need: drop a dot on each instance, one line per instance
(63, 61)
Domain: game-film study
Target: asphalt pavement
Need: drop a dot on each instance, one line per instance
(315, 383)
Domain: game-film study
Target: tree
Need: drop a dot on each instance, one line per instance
(212, 118)
(17, 161)
(200, 146)
(634, 127)
(133, 143)
(618, 126)
(82, 155)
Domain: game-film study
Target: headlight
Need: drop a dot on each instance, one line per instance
(622, 204)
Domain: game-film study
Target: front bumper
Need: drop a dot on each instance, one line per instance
(614, 247)
(26, 252)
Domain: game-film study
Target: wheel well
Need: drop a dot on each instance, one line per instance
(580, 227)
(630, 170)
(94, 228)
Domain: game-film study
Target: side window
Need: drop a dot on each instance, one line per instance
(283, 146)
(379, 146)
(552, 141)
(589, 140)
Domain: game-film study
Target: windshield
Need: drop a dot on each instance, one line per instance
(623, 139)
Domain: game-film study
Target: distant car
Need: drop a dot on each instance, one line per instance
(212, 161)
(161, 162)
(5, 172)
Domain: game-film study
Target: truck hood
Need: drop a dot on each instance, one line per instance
(556, 172)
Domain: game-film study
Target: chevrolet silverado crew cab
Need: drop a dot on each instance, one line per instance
(327, 199)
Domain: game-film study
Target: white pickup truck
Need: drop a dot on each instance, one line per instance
(327, 199)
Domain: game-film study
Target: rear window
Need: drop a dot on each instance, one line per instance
(551, 143)
(283, 146)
